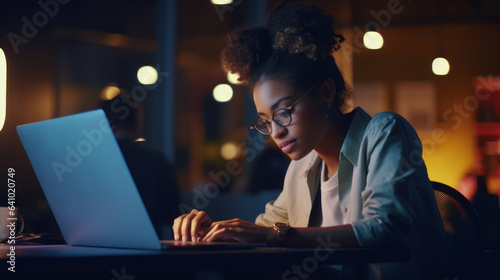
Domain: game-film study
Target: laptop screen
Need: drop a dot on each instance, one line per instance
(87, 182)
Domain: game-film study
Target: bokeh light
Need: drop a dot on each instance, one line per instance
(373, 40)
(233, 78)
(109, 92)
(3, 88)
(223, 93)
(229, 151)
(147, 75)
(440, 66)
(221, 2)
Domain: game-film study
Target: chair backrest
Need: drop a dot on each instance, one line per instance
(461, 224)
(460, 220)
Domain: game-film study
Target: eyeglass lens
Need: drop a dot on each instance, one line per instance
(281, 117)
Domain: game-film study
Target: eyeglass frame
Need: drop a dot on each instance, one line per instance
(288, 109)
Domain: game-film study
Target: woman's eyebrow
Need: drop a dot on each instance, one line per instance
(275, 105)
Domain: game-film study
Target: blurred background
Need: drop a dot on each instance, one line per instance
(65, 57)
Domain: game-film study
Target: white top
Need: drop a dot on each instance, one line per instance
(330, 204)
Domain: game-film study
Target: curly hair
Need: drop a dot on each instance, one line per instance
(295, 47)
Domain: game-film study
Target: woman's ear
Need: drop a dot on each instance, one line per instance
(328, 91)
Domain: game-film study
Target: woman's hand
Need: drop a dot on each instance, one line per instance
(238, 230)
(192, 226)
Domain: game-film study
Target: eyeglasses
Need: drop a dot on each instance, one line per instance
(282, 117)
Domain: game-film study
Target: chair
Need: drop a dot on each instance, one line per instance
(463, 232)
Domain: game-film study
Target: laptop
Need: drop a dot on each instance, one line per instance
(89, 187)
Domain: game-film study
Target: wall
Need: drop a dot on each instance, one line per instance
(408, 51)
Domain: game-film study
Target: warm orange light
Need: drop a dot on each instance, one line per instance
(109, 92)
(229, 151)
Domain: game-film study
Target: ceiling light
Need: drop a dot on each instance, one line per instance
(373, 40)
(147, 75)
(440, 66)
(223, 93)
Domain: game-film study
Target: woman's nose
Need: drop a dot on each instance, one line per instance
(278, 131)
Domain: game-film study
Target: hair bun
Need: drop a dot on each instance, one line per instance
(245, 51)
(293, 28)
(298, 28)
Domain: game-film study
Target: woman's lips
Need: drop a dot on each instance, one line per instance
(287, 146)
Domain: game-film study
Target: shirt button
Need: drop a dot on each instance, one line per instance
(345, 209)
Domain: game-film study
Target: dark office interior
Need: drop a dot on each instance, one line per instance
(63, 56)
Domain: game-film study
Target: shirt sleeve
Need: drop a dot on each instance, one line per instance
(395, 179)
(276, 211)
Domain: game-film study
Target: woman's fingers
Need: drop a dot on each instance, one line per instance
(212, 228)
(235, 229)
(186, 226)
(190, 226)
(199, 224)
(226, 233)
(176, 228)
(220, 232)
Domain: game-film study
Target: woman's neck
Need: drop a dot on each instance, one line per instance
(329, 148)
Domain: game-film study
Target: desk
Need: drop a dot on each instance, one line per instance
(75, 262)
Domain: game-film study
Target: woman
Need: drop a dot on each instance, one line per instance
(354, 180)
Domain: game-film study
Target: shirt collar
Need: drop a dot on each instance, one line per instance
(352, 141)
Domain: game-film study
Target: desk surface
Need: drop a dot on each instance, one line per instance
(65, 261)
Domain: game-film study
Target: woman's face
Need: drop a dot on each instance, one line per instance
(309, 124)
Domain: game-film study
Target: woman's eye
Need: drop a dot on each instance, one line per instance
(282, 114)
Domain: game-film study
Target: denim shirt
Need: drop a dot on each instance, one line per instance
(384, 193)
